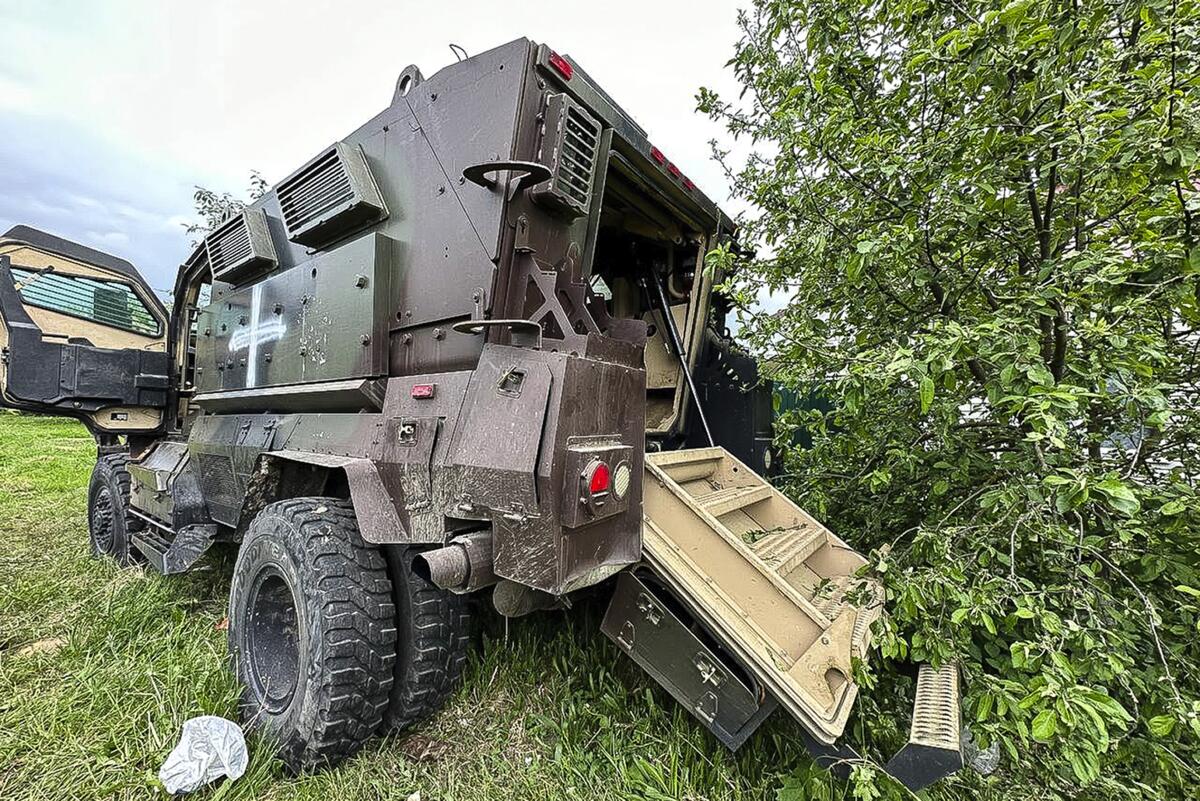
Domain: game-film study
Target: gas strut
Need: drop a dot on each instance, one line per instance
(677, 345)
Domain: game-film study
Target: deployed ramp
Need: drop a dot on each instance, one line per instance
(757, 575)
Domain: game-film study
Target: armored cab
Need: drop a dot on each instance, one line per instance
(470, 347)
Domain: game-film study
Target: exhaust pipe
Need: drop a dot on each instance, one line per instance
(464, 565)
(516, 600)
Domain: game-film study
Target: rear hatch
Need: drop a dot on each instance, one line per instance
(758, 579)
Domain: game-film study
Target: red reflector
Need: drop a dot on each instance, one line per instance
(688, 183)
(562, 65)
(657, 155)
(600, 479)
(423, 391)
(675, 173)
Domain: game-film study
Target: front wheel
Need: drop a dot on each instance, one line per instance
(110, 523)
(312, 630)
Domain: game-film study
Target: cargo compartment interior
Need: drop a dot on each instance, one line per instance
(638, 238)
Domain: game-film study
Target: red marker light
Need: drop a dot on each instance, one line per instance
(657, 155)
(675, 173)
(560, 64)
(423, 391)
(600, 480)
(687, 182)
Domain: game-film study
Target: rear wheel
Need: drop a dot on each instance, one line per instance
(312, 630)
(110, 523)
(432, 637)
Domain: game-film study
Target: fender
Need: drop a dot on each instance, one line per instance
(377, 518)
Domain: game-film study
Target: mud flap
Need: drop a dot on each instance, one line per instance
(737, 573)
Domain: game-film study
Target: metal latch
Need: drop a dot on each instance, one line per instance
(649, 609)
(709, 672)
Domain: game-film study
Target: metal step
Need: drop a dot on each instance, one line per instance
(153, 545)
(723, 501)
(934, 740)
(170, 555)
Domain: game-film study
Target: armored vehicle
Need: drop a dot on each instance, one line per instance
(472, 347)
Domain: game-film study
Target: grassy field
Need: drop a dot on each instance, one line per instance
(100, 666)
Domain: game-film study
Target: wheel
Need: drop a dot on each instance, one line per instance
(433, 632)
(312, 630)
(110, 523)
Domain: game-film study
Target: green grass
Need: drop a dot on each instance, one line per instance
(100, 666)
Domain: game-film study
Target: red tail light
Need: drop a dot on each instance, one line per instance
(600, 480)
(561, 65)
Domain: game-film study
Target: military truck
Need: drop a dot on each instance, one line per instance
(471, 348)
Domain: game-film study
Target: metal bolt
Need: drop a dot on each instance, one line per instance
(303, 350)
(279, 308)
(406, 339)
(365, 339)
(441, 190)
(439, 333)
(360, 280)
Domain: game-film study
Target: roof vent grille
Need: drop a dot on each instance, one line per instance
(241, 247)
(569, 145)
(330, 196)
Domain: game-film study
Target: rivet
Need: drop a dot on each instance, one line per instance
(365, 339)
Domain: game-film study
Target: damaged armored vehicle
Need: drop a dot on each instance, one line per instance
(471, 348)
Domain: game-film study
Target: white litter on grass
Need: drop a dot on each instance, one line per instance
(209, 748)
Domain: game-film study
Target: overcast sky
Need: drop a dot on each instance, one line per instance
(110, 112)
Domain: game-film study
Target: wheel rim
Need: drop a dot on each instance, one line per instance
(272, 641)
(102, 521)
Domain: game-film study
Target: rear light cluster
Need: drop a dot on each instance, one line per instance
(599, 482)
(659, 158)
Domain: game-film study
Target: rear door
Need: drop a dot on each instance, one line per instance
(81, 335)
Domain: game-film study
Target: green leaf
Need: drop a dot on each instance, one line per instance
(1044, 726)
(926, 393)
(1118, 496)
(1161, 725)
(1171, 508)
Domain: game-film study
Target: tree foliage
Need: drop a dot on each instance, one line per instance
(213, 208)
(985, 220)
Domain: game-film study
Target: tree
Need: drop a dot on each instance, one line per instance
(984, 218)
(214, 208)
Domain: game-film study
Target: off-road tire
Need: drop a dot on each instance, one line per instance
(336, 645)
(110, 523)
(433, 634)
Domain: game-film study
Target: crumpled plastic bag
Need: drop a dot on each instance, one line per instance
(983, 760)
(209, 748)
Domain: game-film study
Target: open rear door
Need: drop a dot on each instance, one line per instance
(744, 602)
(81, 335)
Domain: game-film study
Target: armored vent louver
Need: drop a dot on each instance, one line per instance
(330, 196)
(241, 247)
(568, 148)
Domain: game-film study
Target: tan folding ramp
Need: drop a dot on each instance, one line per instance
(777, 588)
